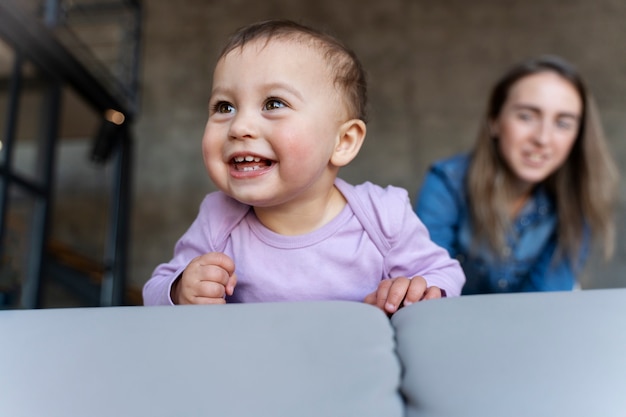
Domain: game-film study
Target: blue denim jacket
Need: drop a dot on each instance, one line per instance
(527, 263)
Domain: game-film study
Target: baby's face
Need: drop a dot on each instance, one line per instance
(273, 124)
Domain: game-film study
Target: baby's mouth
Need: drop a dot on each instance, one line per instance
(250, 163)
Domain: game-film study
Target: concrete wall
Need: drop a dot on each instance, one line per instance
(430, 65)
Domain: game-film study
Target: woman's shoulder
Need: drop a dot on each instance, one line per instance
(452, 170)
(453, 165)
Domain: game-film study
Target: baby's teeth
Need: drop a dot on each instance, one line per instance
(250, 158)
(247, 159)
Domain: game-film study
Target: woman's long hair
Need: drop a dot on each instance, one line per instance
(583, 188)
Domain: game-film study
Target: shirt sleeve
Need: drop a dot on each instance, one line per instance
(415, 254)
(192, 244)
(403, 240)
(217, 216)
(437, 206)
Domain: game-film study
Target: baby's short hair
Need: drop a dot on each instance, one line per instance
(346, 67)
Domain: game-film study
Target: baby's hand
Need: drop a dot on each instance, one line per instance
(398, 292)
(206, 280)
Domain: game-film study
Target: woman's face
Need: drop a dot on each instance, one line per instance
(538, 125)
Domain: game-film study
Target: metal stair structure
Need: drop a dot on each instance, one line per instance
(91, 48)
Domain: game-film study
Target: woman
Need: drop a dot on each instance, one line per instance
(520, 210)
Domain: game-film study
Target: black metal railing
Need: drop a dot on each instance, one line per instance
(92, 47)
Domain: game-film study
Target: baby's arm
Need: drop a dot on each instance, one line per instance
(206, 280)
(394, 293)
(206, 236)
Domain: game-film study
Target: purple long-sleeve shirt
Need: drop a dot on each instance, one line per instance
(376, 236)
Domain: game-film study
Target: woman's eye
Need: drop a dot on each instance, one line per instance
(566, 124)
(524, 116)
(223, 107)
(273, 104)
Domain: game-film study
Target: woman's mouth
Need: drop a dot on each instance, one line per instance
(535, 159)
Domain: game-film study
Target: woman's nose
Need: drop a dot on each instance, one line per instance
(542, 133)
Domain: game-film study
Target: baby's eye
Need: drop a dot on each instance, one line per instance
(274, 103)
(223, 107)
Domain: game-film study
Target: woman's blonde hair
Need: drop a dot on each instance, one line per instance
(583, 188)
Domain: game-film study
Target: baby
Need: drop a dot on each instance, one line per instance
(287, 111)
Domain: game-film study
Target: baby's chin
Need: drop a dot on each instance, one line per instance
(254, 198)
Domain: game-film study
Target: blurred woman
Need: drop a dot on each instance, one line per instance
(521, 209)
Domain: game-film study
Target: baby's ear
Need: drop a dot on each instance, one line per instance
(349, 140)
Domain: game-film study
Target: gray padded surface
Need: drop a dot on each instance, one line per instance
(313, 359)
(515, 355)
